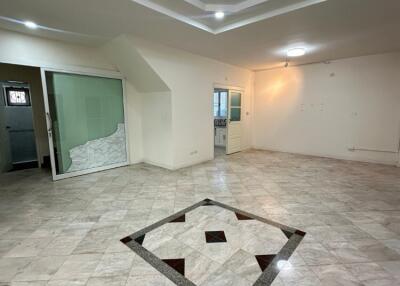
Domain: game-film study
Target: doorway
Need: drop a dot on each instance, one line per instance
(20, 134)
(21, 120)
(227, 112)
(220, 117)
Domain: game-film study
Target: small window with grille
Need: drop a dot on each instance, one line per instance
(17, 96)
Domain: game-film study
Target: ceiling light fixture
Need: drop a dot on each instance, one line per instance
(30, 25)
(219, 15)
(296, 52)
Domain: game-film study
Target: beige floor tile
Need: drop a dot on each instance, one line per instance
(114, 264)
(351, 211)
(78, 266)
(9, 267)
(41, 268)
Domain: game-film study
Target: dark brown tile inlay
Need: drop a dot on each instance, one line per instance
(242, 217)
(140, 239)
(264, 260)
(288, 234)
(177, 264)
(299, 232)
(179, 219)
(126, 239)
(208, 202)
(215, 236)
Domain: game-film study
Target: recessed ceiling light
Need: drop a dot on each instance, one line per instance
(296, 52)
(219, 15)
(31, 25)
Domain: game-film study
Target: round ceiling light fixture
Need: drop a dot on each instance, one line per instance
(30, 25)
(219, 15)
(296, 52)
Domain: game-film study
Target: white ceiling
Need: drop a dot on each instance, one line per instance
(225, 2)
(200, 13)
(328, 30)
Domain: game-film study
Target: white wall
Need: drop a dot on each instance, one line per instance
(176, 96)
(157, 129)
(325, 109)
(21, 49)
(17, 48)
(149, 105)
(322, 109)
(149, 127)
(121, 52)
(170, 121)
(191, 79)
(134, 131)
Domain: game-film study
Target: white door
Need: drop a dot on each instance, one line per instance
(234, 122)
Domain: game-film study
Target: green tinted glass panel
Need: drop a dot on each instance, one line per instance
(88, 121)
(236, 99)
(235, 114)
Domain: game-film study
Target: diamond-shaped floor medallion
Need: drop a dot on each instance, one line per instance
(198, 235)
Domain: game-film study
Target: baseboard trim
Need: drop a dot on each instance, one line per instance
(177, 167)
(185, 165)
(321, 155)
(161, 165)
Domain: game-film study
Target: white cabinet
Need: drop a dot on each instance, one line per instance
(220, 136)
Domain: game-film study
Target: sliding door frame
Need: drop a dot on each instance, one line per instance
(94, 73)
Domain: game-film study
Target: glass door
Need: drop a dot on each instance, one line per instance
(86, 123)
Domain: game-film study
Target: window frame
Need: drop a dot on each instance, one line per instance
(9, 89)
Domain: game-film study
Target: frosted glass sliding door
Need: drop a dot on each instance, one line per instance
(86, 123)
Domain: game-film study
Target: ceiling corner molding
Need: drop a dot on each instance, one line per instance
(230, 9)
(173, 14)
(268, 15)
